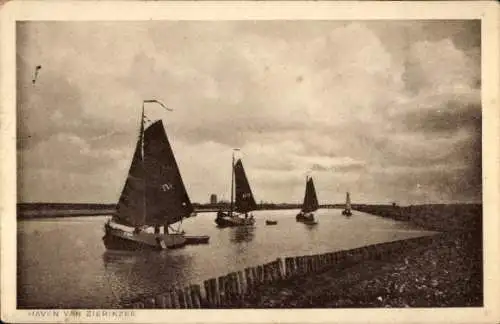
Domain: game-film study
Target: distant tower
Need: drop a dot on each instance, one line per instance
(213, 198)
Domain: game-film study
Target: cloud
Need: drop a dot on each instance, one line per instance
(374, 107)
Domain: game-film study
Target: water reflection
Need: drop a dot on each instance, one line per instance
(242, 234)
(129, 272)
(311, 227)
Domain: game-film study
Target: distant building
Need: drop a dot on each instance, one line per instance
(213, 198)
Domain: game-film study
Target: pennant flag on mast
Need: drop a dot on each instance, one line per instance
(158, 102)
(147, 121)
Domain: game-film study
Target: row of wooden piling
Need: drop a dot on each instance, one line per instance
(232, 289)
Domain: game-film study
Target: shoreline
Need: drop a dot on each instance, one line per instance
(440, 270)
(419, 215)
(444, 272)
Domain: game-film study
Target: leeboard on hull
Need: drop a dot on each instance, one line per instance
(115, 239)
(193, 240)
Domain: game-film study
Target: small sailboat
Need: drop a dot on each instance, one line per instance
(243, 203)
(309, 205)
(347, 209)
(153, 196)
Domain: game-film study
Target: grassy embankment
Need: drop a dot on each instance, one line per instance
(44, 210)
(445, 272)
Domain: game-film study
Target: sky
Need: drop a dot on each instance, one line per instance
(387, 110)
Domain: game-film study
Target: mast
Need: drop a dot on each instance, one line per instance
(232, 186)
(131, 207)
(141, 140)
(304, 203)
(232, 183)
(154, 192)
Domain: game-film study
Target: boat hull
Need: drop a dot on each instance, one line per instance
(116, 239)
(269, 222)
(346, 212)
(226, 220)
(301, 217)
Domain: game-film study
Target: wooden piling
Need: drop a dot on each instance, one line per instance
(298, 265)
(195, 291)
(255, 279)
(208, 293)
(138, 305)
(294, 267)
(266, 269)
(280, 274)
(221, 296)
(242, 289)
(260, 274)
(264, 273)
(187, 297)
(288, 267)
(315, 263)
(175, 299)
(214, 289)
(182, 298)
(342, 256)
(271, 271)
(231, 285)
(160, 302)
(274, 270)
(371, 251)
(229, 288)
(249, 281)
(168, 300)
(329, 259)
(236, 284)
(149, 303)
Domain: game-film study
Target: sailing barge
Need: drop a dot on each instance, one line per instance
(347, 209)
(153, 197)
(310, 204)
(243, 203)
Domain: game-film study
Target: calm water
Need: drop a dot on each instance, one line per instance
(62, 262)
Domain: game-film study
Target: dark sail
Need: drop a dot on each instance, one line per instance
(244, 201)
(154, 193)
(347, 201)
(310, 199)
(130, 208)
(167, 201)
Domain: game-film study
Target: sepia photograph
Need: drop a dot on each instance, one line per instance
(247, 164)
